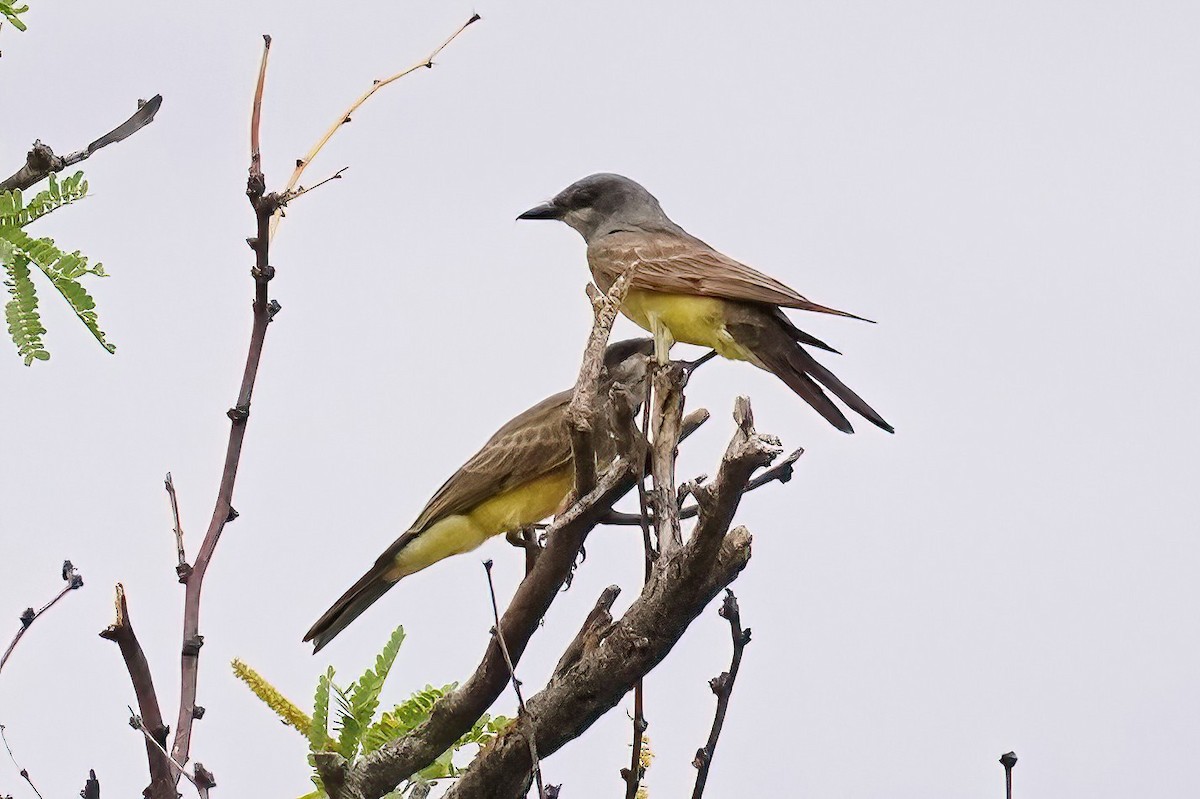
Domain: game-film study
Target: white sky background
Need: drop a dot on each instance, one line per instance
(1010, 190)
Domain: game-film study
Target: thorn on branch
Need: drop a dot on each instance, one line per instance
(273, 308)
(198, 712)
(239, 414)
(191, 646)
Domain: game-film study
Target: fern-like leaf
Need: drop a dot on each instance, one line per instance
(15, 212)
(318, 734)
(272, 698)
(346, 725)
(64, 270)
(21, 312)
(12, 12)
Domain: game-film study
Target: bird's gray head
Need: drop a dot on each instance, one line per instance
(625, 362)
(601, 203)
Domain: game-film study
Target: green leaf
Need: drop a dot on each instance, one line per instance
(21, 312)
(14, 212)
(404, 717)
(62, 269)
(318, 735)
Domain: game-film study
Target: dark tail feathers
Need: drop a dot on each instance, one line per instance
(778, 347)
(350, 606)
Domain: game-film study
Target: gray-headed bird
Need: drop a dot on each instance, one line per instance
(683, 290)
(523, 474)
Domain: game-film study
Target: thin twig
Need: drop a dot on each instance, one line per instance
(781, 472)
(722, 686)
(531, 734)
(73, 579)
(13, 758)
(1008, 760)
(256, 109)
(585, 402)
(633, 775)
(669, 380)
(181, 569)
(302, 163)
(300, 191)
(41, 160)
(201, 780)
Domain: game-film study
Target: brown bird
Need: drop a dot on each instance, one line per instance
(523, 474)
(681, 289)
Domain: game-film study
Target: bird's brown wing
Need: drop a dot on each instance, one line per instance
(532, 444)
(677, 263)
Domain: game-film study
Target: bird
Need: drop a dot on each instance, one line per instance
(522, 475)
(681, 289)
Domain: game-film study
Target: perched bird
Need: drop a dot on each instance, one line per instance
(523, 474)
(681, 289)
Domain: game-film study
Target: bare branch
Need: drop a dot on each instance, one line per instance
(302, 163)
(523, 714)
(781, 472)
(73, 580)
(162, 782)
(41, 160)
(202, 780)
(182, 569)
(722, 686)
(633, 775)
(300, 191)
(1008, 760)
(24, 774)
(594, 628)
(667, 398)
(264, 310)
(256, 109)
(585, 402)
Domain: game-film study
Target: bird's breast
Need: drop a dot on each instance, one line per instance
(692, 319)
(525, 504)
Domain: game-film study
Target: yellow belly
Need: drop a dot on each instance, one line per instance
(516, 508)
(691, 319)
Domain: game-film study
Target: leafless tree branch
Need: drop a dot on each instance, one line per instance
(302, 163)
(182, 569)
(201, 780)
(20, 769)
(73, 581)
(523, 715)
(667, 400)
(41, 160)
(263, 310)
(781, 472)
(162, 781)
(722, 686)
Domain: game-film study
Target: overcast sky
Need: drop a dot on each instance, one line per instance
(1011, 190)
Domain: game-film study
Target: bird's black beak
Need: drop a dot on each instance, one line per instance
(543, 211)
